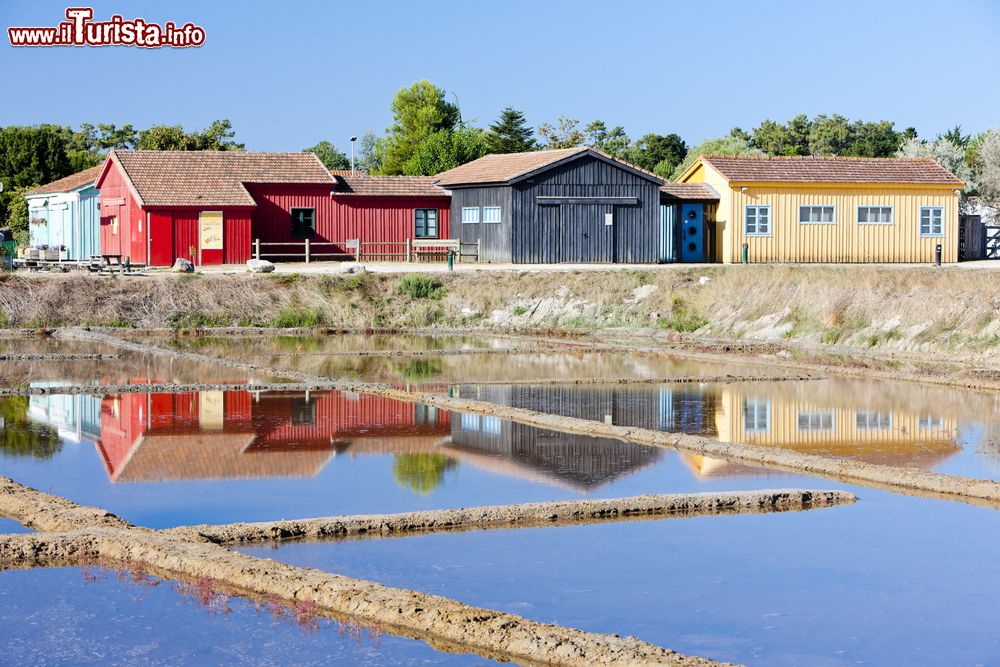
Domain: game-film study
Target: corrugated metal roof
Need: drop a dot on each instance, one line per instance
(68, 183)
(214, 178)
(828, 169)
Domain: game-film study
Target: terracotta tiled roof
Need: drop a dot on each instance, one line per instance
(753, 168)
(214, 178)
(68, 183)
(219, 455)
(386, 186)
(690, 191)
(506, 167)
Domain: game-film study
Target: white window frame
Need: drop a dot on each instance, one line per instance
(832, 207)
(470, 210)
(486, 218)
(882, 420)
(920, 222)
(757, 404)
(929, 423)
(815, 421)
(868, 207)
(757, 209)
(491, 425)
(470, 422)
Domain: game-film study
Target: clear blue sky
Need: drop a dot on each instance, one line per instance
(291, 73)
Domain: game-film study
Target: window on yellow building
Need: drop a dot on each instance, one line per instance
(817, 215)
(875, 215)
(811, 420)
(932, 221)
(867, 420)
(758, 221)
(756, 415)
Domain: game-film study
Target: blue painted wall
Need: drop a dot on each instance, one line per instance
(74, 223)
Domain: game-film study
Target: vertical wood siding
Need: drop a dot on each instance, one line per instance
(571, 232)
(494, 238)
(339, 218)
(845, 240)
(128, 215)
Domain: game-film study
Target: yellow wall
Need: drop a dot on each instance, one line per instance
(844, 241)
(904, 438)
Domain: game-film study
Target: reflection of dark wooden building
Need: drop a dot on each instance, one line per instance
(684, 408)
(580, 462)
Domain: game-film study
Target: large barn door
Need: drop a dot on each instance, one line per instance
(587, 233)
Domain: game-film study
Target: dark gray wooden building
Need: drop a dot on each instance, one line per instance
(564, 205)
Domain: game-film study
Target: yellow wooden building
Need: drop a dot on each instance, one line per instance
(829, 209)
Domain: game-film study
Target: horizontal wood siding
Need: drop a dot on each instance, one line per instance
(494, 238)
(576, 233)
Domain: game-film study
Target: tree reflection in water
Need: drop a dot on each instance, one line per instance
(19, 436)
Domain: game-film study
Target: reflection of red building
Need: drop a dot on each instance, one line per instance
(236, 434)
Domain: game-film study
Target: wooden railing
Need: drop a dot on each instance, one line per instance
(370, 251)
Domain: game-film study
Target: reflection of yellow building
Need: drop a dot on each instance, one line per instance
(876, 433)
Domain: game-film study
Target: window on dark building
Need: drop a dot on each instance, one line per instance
(303, 223)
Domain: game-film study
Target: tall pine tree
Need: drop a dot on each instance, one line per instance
(511, 133)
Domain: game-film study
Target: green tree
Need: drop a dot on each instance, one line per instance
(948, 155)
(728, 145)
(30, 156)
(447, 149)
(615, 142)
(165, 138)
(773, 138)
(17, 216)
(874, 139)
(511, 133)
(565, 134)
(22, 437)
(658, 153)
(421, 473)
(369, 157)
(219, 136)
(909, 133)
(418, 112)
(831, 135)
(329, 155)
(955, 136)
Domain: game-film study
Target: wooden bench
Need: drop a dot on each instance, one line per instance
(435, 247)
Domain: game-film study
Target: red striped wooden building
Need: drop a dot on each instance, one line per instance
(209, 206)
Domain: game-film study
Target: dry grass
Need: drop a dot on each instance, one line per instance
(911, 308)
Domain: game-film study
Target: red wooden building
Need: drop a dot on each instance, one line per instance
(157, 206)
(210, 206)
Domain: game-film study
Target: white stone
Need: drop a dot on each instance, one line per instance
(704, 280)
(182, 266)
(260, 266)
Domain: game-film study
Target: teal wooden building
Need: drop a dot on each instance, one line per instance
(65, 214)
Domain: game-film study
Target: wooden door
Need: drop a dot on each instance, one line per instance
(161, 239)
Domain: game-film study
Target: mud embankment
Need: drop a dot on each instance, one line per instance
(93, 535)
(561, 513)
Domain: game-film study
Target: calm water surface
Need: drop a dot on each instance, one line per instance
(71, 616)
(891, 580)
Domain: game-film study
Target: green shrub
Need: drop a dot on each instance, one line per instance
(296, 317)
(520, 310)
(420, 287)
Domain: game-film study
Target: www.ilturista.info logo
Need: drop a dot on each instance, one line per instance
(81, 30)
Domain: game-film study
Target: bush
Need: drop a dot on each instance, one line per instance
(420, 287)
(294, 318)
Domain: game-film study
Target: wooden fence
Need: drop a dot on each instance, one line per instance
(410, 250)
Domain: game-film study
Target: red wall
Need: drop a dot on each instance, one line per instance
(340, 217)
(183, 233)
(130, 241)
